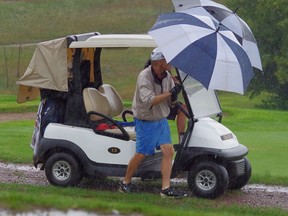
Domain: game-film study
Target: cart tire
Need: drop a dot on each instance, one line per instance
(208, 180)
(241, 181)
(63, 170)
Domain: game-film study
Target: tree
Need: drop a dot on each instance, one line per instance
(269, 23)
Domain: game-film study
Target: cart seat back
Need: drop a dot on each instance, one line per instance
(114, 99)
(108, 102)
(97, 102)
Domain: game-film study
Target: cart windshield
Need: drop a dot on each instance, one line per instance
(203, 102)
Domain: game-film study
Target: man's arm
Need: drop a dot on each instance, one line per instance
(159, 98)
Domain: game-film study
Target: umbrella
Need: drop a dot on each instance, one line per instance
(203, 49)
(227, 18)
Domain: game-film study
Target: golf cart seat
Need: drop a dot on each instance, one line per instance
(115, 101)
(101, 114)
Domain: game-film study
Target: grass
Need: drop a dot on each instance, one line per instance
(15, 139)
(61, 18)
(8, 104)
(264, 132)
(28, 197)
(229, 99)
(57, 19)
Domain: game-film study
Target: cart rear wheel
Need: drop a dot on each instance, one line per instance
(62, 169)
(208, 180)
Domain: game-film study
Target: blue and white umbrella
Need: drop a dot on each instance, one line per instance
(227, 18)
(203, 49)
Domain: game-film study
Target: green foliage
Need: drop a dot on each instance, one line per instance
(269, 23)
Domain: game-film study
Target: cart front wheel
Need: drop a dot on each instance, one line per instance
(208, 180)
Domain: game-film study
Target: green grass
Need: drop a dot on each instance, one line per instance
(264, 132)
(57, 19)
(15, 139)
(229, 99)
(61, 18)
(8, 104)
(28, 197)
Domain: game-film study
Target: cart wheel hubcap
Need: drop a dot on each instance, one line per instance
(206, 180)
(61, 170)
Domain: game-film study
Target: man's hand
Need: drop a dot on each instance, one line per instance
(175, 91)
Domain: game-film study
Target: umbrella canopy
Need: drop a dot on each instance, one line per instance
(203, 49)
(227, 18)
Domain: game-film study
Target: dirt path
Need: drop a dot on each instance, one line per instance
(17, 116)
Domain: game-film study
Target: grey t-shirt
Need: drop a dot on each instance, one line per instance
(146, 90)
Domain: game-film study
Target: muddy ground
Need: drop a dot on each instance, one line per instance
(250, 195)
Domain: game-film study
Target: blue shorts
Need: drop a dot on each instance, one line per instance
(150, 135)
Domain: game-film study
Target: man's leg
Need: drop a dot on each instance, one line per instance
(168, 152)
(132, 167)
(181, 122)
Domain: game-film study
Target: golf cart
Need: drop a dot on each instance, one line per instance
(82, 130)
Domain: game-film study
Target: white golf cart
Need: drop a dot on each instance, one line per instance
(76, 134)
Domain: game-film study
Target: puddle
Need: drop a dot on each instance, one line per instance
(48, 213)
(266, 188)
(258, 187)
(21, 167)
(56, 213)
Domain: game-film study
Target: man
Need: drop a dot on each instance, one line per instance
(151, 106)
(175, 112)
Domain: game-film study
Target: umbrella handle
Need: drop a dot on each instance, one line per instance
(178, 104)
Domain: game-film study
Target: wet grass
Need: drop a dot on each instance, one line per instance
(56, 19)
(264, 132)
(8, 104)
(15, 141)
(60, 18)
(28, 198)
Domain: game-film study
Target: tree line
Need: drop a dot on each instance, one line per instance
(269, 22)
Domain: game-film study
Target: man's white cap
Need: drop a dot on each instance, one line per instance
(156, 55)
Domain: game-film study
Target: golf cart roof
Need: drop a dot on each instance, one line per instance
(48, 66)
(116, 41)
